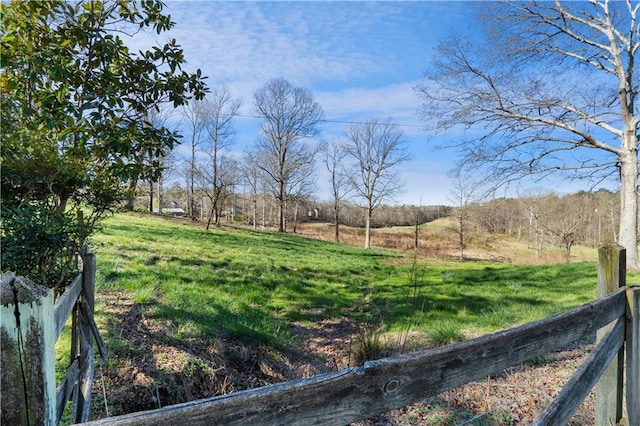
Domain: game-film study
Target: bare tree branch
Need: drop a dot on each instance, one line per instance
(291, 116)
(552, 89)
(377, 148)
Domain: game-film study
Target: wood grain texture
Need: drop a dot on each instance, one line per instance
(609, 396)
(87, 317)
(65, 388)
(65, 304)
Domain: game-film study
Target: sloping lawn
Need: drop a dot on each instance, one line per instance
(249, 285)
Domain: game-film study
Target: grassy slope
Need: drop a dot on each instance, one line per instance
(249, 285)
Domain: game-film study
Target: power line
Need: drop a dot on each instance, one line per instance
(340, 121)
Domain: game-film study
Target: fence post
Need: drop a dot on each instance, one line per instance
(89, 279)
(85, 379)
(633, 355)
(612, 265)
(27, 338)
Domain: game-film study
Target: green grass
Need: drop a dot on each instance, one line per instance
(249, 285)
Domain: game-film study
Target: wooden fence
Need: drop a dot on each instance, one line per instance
(31, 325)
(382, 385)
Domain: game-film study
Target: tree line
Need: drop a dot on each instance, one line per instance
(237, 205)
(545, 220)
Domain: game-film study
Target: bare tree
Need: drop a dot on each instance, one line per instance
(301, 185)
(532, 207)
(565, 220)
(251, 176)
(291, 117)
(377, 149)
(606, 210)
(553, 89)
(217, 114)
(193, 114)
(465, 191)
(334, 156)
(216, 190)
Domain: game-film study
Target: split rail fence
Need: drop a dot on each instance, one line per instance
(30, 327)
(378, 386)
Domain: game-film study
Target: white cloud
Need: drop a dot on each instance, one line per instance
(397, 102)
(254, 42)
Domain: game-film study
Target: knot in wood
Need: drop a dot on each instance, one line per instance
(391, 386)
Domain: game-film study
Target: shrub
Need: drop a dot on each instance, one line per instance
(368, 345)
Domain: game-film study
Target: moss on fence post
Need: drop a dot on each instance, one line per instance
(27, 369)
(612, 264)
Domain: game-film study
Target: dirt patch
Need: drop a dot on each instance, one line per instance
(329, 340)
(149, 370)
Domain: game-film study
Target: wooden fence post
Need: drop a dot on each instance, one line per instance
(27, 338)
(612, 265)
(82, 405)
(633, 356)
(89, 279)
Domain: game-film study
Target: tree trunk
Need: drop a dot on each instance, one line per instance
(264, 210)
(416, 230)
(209, 219)
(629, 199)
(191, 183)
(336, 218)
(131, 195)
(160, 189)
(129, 205)
(255, 212)
(367, 227)
(461, 234)
(150, 196)
(233, 203)
(567, 250)
(284, 216)
(281, 208)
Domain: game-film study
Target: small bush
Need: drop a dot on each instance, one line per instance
(368, 345)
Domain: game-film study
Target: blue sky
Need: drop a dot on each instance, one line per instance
(360, 60)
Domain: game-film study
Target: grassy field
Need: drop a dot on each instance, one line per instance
(198, 290)
(247, 284)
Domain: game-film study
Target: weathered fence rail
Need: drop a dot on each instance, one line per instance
(31, 325)
(379, 386)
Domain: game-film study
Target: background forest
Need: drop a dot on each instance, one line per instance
(544, 221)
